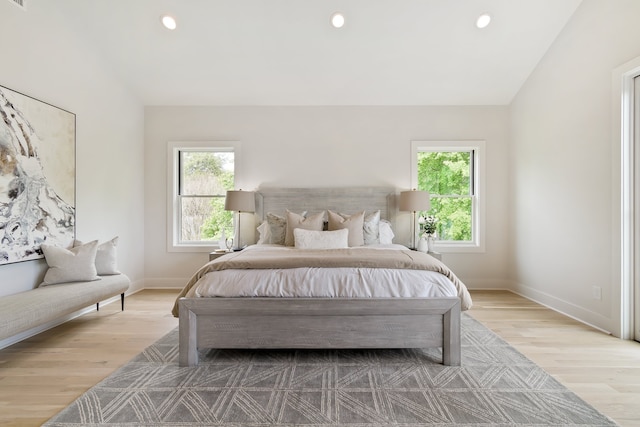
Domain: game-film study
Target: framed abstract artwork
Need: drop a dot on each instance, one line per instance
(37, 176)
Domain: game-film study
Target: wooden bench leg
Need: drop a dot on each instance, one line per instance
(121, 302)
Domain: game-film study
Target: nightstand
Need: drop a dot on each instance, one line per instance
(213, 255)
(436, 255)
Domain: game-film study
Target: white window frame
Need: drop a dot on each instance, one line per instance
(173, 199)
(477, 242)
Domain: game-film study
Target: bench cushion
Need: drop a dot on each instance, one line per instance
(25, 310)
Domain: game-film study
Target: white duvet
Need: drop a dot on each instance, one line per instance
(323, 282)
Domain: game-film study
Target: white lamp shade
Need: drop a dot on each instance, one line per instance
(413, 201)
(240, 201)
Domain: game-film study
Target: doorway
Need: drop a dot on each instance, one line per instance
(635, 293)
(626, 244)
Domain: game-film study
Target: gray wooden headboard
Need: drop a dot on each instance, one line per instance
(346, 200)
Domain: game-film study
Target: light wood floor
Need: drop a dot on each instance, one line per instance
(42, 375)
(601, 369)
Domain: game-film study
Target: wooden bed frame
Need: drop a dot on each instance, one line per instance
(329, 323)
(319, 323)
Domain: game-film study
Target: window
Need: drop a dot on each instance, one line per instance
(451, 171)
(201, 175)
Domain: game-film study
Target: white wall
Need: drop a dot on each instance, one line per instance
(556, 167)
(324, 147)
(564, 201)
(43, 58)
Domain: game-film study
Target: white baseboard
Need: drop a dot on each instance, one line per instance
(566, 308)
(135, 287)
(489, 285)
(165, 283)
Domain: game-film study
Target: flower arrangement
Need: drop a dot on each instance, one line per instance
(428, 224)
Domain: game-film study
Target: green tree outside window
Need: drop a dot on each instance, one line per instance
(447, 176)
(205, 177)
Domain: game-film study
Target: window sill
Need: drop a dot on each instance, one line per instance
(462, 248)
(192, 248)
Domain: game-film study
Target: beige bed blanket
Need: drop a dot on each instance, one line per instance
(335, 258)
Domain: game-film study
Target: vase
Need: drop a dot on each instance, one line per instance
(431, 241)
(422, 245)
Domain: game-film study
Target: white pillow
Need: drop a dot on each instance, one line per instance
(106, 257)
(77, 264)
(265, 233)
(313, 222)
(386, 233)
(354, 223)
(314, 239)
(371, 228)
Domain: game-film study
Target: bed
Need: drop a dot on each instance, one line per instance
(277, 296)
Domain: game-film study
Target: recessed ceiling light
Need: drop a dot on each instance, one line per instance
(337, 20)
(169, 22)
(483, 20)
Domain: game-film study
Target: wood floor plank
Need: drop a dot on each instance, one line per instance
(42, 375)
(601, 369)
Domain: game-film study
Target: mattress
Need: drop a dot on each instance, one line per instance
(340, 282)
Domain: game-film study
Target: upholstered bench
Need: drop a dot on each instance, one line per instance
(27, 310)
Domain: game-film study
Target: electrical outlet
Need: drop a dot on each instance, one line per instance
(596, 291)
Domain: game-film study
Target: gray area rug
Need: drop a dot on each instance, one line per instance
(495, 386)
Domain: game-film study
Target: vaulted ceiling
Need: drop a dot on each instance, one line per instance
(285, 52)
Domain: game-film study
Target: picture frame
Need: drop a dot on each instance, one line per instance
(37, 176)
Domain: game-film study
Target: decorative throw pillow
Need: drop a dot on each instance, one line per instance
(77, 264)
(354, 223)
(106, 257)
(313, 222)
(265, 233)
(371, 228)
(386, 233)
(313, 239)
(276, 229)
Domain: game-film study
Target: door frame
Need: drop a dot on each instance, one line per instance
(624, 245)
